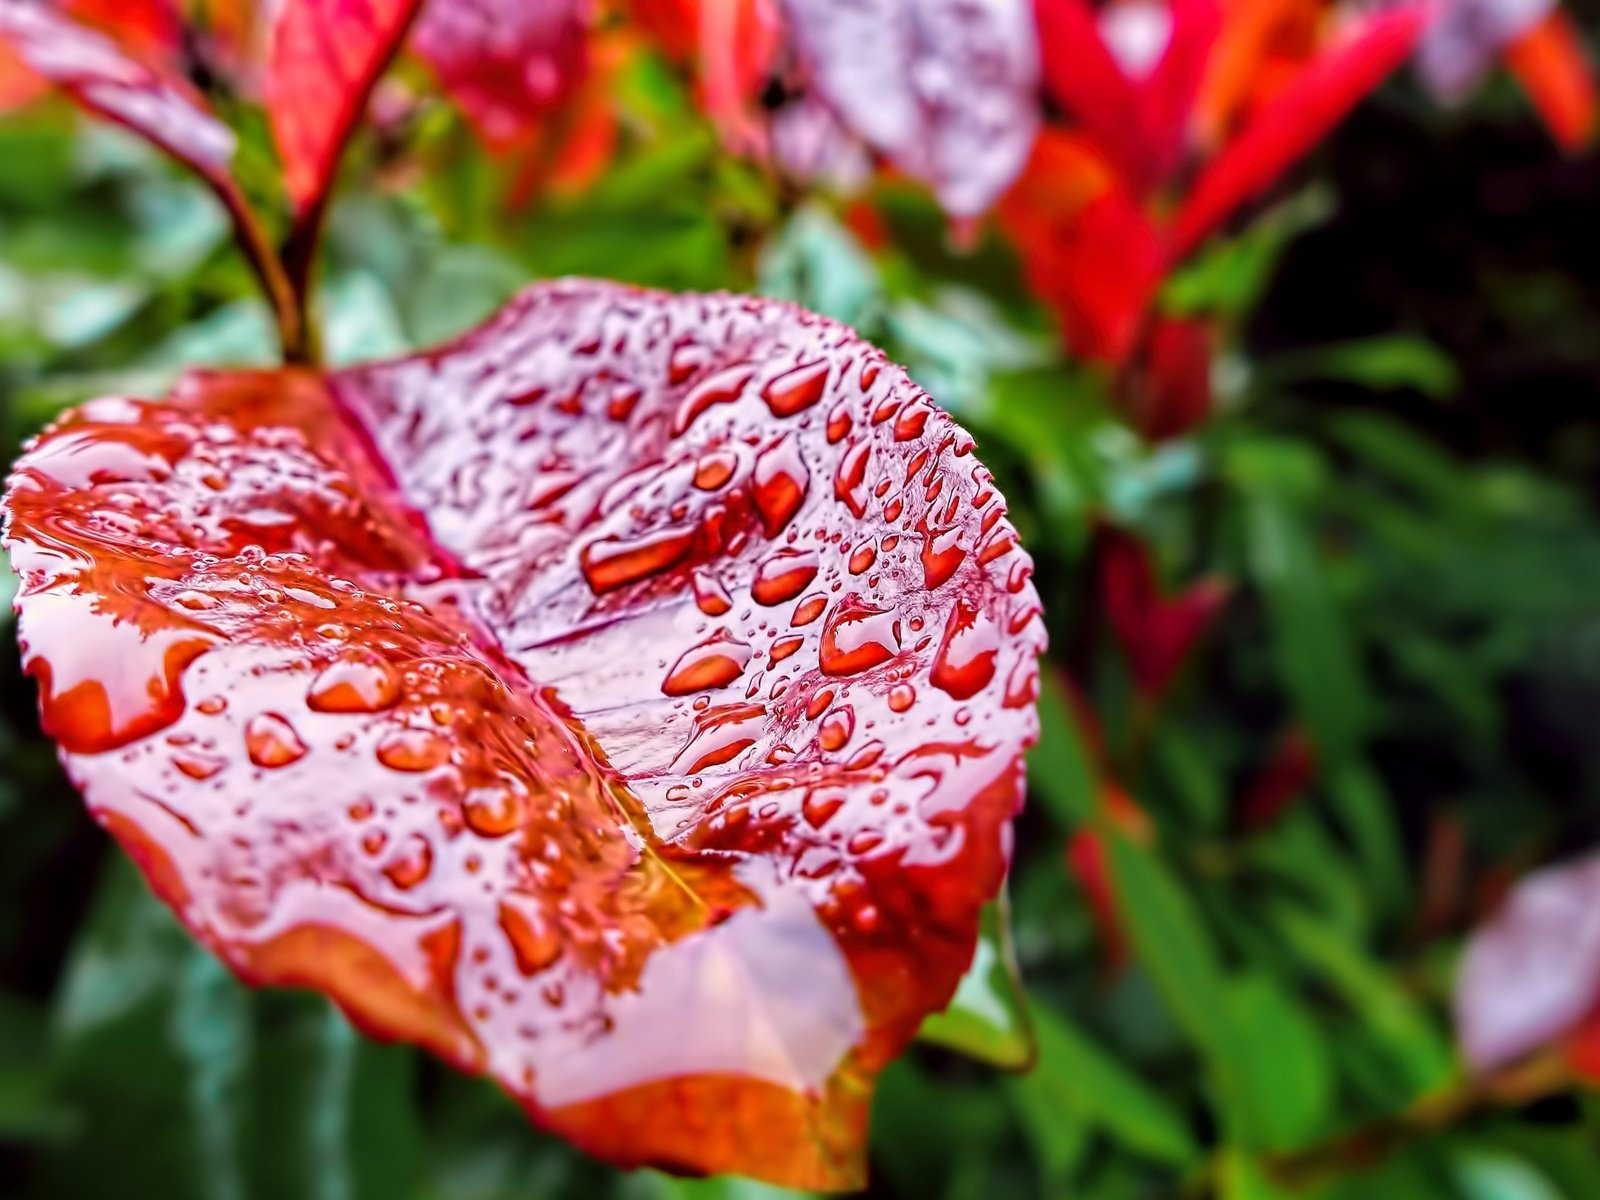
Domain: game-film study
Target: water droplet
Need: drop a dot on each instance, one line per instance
(719, 737)
(784, 576)
(196, 766)
(808, 610)
(709, 594)
(865, 555)
(783, 648)
(901, 697)
(851, 473)
(965, 662)
(211, 706)
(836, 728)
(857, 638)
(840, 422)
(535, 942)
(715, 469)
(942, 555)
(615, 562)
(413, 750)
(821, 806)
(715, 662)
(779, 484)
(272, 742)
(1022, 688)
(355, 684)
(719, 389)
(411, 864)
(912, 420)
(797, 390)
(495, 811)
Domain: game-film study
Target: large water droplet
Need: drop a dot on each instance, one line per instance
(411, 864)
(615, 562)
(852, 472)
(715, 662)
(942, 555)
(719, 389)
(784, 576)
(355, 684)
(535, 941)
(965, 662)
(836, 728)
(413, 750)
(720, 736)
(779, 483)
(857, 638)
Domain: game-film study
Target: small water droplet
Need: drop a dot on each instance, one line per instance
(851, 473)
(535, 942)
(901, 697)
(411, 864)
(709, 594)
(272, 742)
(615, 562)
(715, 469)
(355, 684)
(836, 728)
(413, 750)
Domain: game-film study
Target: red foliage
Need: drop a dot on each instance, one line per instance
(1551, 64)
(1281, 782)
(1156, 632)
(324, 59)
(627, 702)
(508, 63)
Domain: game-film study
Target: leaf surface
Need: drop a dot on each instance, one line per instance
(945, 89)
(324, 58)
(100, 77)
(626, 702)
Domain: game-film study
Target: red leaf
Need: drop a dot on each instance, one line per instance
(945, 89)
(1086, 80)
(324, 59)
(100, 77)
(1089, 251)
(150, 28)
(1532, 974)
(1301, 115)
(1282, 780)
(1551, 64)
(508, 63)
(546, 701)
(1156, 633)
(1170, 391)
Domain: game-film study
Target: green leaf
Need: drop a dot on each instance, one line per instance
(1078, 1083)
(1315, 652)
(815, 262)
(988, 1018)
(1060, 771)
(1378, 363)
(1286, 1063)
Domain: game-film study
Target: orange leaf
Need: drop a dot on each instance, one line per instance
(582, 701)
(1553, 67)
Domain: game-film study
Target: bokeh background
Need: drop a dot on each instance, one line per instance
(1240, 895)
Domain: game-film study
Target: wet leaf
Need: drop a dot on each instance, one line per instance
(324, 59)
(626, 702)
(944, 89)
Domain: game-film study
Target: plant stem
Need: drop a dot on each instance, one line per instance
(1368, 1144)
(288, 309)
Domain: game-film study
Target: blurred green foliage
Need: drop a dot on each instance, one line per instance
(1399, 484)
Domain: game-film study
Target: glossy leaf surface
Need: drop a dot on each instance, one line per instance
(325, 56)
(626, 702)
(101, 77)
(945, 89)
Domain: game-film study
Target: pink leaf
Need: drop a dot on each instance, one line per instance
(508, 63)
(945, 89)
(1532, 974)
(102, 78)
(626, 702)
